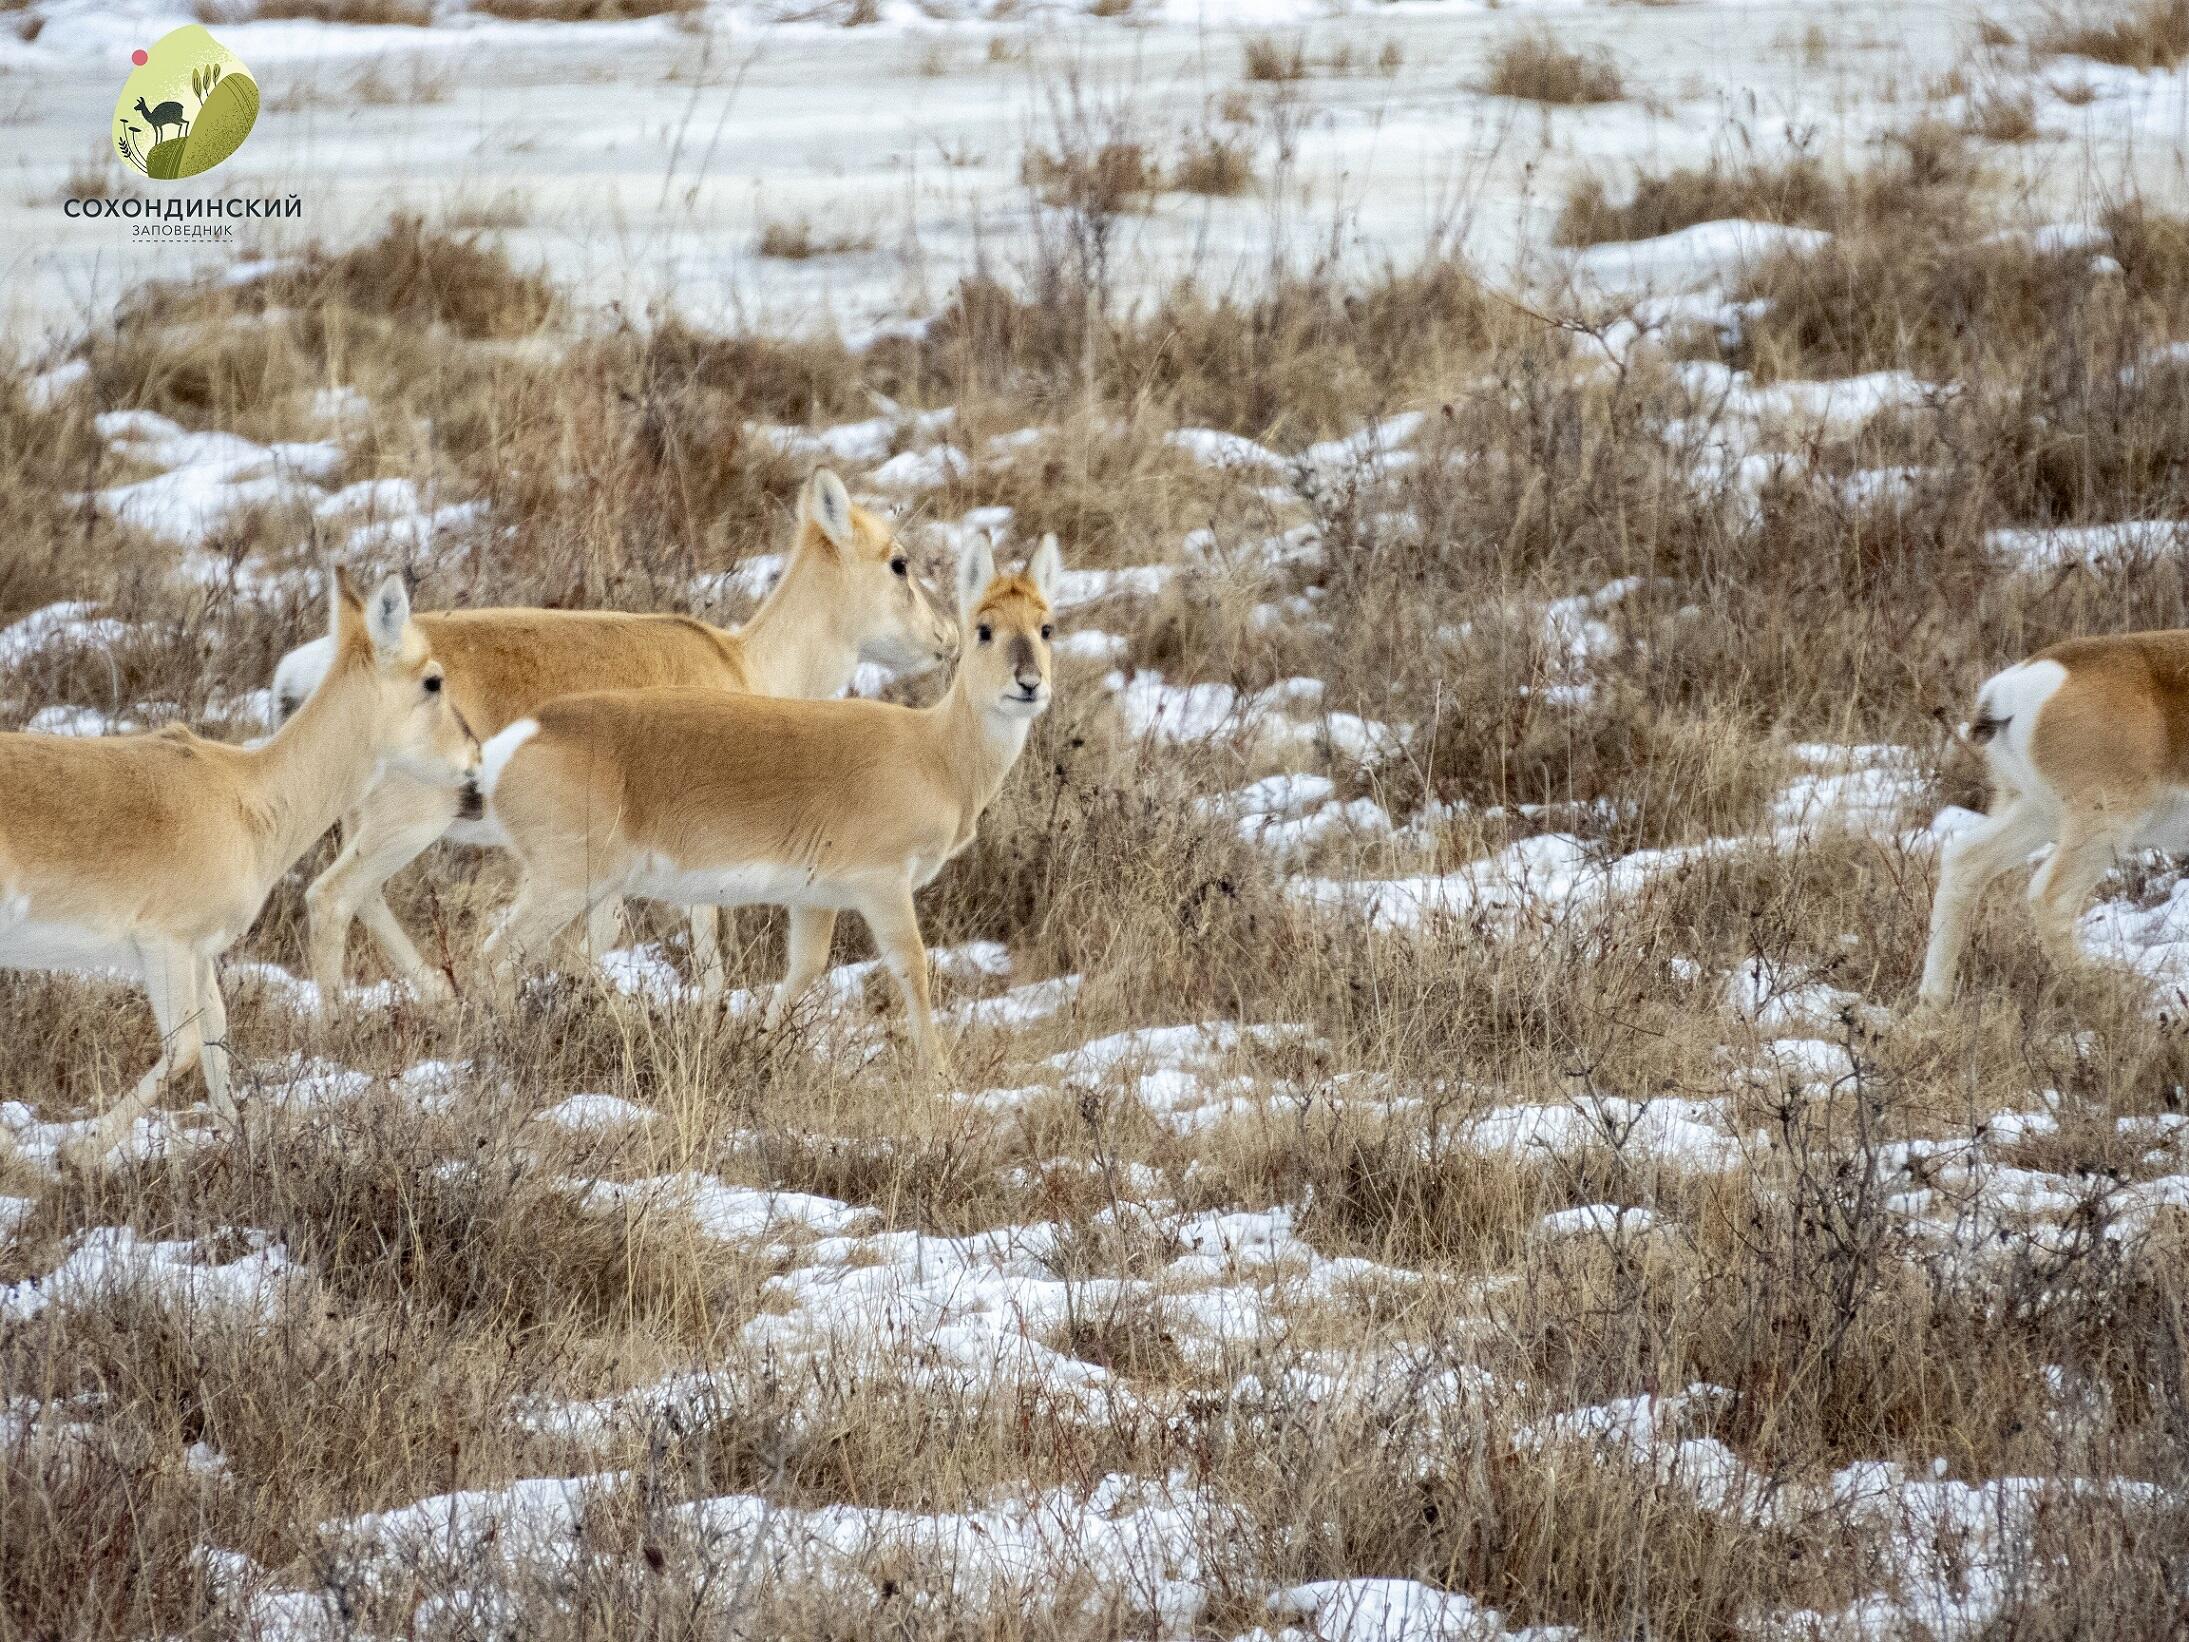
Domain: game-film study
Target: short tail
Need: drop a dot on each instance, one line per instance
(500, 748)
(1986, 724)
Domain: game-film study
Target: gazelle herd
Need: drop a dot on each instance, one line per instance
(151, 854)
(660, 757)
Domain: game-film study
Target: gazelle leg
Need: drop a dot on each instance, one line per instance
(896, 927)
(213, 1040)
(171, 982)
(603, 924)
(707, 966)
(1970, 862)
(2090, 842)
(542, 910)
(812, 930)
(395, 825)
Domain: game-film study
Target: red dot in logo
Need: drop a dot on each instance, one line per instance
(140, 57)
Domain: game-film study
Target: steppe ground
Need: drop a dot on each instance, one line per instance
(1441, 1143)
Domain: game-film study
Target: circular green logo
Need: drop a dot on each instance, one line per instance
(188, 106)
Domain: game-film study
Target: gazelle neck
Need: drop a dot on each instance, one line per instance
(792, 644)
(978, 744)
(317, 765)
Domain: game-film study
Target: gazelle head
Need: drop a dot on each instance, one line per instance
(1006, 667)
(411, 723)
(882, 606)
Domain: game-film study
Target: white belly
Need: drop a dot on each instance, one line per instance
(2168, 828)
(483, 833)
(746, 884)
(30, 944)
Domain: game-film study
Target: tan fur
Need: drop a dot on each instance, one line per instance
(821, 806)
(2095, 764)
(153, 853)
(839, 599)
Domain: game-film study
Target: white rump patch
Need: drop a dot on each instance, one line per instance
(298, 674)
(494, 757)
(2017, 695)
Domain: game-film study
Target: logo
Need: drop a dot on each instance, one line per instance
(187, 106)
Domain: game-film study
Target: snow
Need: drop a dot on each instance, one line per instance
(1216, 449)
(115, 1260)
(1708, 253)
(1400, 1610)
(1598, 1219)
(57, 626)
(581, 1113)
(2093, 545)
(728, 1213)
(1841, 404)
(1669, 1129)
(922, 470)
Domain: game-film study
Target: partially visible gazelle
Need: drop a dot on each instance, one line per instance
(151, 854)
(2087, 744)
(818, 806)
(847, 594)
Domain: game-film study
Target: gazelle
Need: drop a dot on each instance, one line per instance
(150, 854)
(2087, 744)
(818, 806)
(847, 594)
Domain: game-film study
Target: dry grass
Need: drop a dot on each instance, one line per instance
(1270, 60)
(1388, 1408)
(1538, 68)
(387, 13)
(2153, 34)
(2003, 116)
(1214, 167)
(587, 11)
(798, 242)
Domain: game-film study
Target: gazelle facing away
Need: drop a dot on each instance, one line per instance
(150, 854)
(818, 806)
(2087, 744)
(847, 594)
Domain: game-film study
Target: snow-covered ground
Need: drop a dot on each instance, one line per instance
(637, 161)
(640, 160)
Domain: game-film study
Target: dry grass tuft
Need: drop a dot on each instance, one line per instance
(1537, 68)
(379, 13)
(797, 242)
(2152, 34)
(1218, 169)
(587, 11)
(1270, 60)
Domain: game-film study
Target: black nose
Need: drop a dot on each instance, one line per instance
(471, 803)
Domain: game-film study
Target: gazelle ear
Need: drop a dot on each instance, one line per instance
(976, 569)
(1047, 567)
(345, 610)
(387, 618)
(827, 504)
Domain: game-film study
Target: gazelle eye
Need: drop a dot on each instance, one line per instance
(1047, 632)
(984, 632)
(433, 684)
(898, 566)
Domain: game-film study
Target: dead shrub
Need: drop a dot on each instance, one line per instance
(1214, 168)
(1536, 68)
(1274, 61)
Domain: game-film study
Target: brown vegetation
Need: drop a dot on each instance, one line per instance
(1831, 1287)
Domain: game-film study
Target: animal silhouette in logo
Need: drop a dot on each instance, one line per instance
(194, 100)
(165, 115)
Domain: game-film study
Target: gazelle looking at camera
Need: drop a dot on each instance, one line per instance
(2087, 745)
(819, 806)
(151, 854)
(847, 594)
